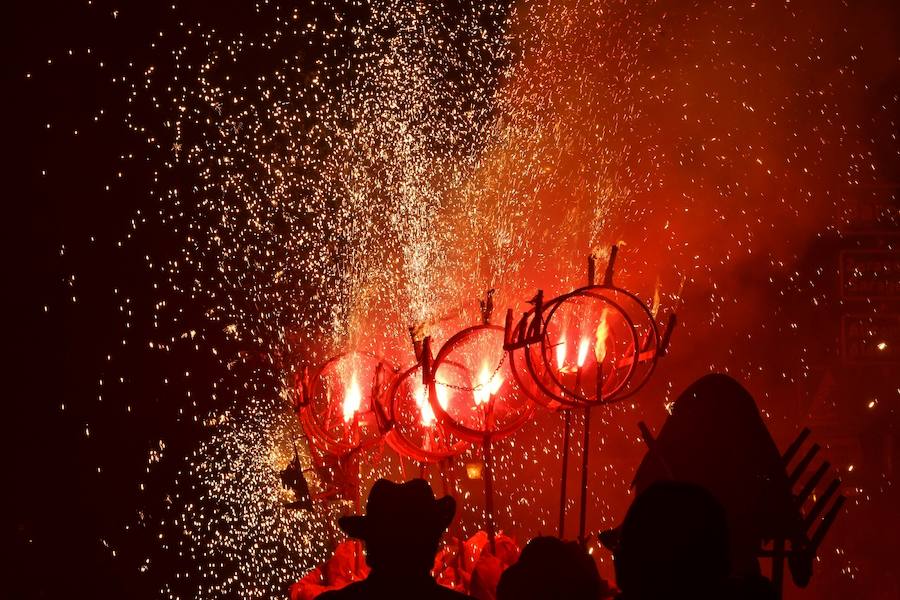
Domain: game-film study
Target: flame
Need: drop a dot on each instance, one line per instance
(561, 354)
(602, 335)
(443, 395)
(488, 385)
(424, 406)
(419, 394)
(583, 348)
(352, 399)
(655, 309)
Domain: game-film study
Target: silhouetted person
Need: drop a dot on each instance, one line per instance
(673, 544)
(401, 530)
(550, 569)
(716, 438)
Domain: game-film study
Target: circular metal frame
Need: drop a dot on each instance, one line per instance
(318, 434)
(399, 441)
(623, 390)
(578, 398)
(463, 431)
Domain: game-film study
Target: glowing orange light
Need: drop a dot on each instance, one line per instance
(656, 302)
(488, 385)
(561, 354)
(602, 335)
(424, 407)
(419, 395)
(352, 399)
(583, 348)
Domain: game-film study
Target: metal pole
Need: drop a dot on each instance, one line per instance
(357, 545)
(567, 433)
(582, 518)
(489, 492)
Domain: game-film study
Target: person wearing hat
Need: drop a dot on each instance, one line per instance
(401, 531)
(551, 568)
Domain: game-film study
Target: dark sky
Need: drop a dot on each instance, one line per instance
(60, 505)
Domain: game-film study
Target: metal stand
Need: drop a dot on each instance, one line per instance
(586, 447)
(567, 433)
(489, 492)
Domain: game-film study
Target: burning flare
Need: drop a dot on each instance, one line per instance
(602, 335)
(488, 385)
(561, 349)
(419, 395)
(352, 399)
(583, 348)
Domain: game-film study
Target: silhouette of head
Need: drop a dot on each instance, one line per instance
(673, 543)
(402, 526)
(551, 568)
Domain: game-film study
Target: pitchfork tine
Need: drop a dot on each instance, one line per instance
(812, 482)
(653, 450)
(667, 334)
(827, 521)
(803, 464)
(788, 455)
(820, 503)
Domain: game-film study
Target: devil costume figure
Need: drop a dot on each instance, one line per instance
(716, 438)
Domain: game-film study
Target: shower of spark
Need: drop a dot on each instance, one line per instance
(339, 172)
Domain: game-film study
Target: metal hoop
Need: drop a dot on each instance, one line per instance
(463, 431)
(318, 434)
(402, 444)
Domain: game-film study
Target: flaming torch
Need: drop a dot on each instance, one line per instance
(498, 405)
(350, 407)
(626, 347)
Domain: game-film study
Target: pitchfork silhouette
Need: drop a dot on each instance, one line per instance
(805, 544)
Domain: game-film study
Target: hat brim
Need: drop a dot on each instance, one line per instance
(357, 526)
(354, 526)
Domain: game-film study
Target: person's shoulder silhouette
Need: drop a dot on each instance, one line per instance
(550, 568)
(401, 530)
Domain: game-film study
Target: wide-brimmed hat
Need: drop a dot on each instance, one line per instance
(401, 508)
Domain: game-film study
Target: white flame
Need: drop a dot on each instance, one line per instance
(352, 399)
(488, 385)
(583, 347)
(419, 395)
(561, 354)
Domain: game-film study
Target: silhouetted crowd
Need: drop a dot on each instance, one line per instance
(711, 489)
(673, 543)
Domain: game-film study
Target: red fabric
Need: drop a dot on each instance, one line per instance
(345, 566)
(467, 567)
